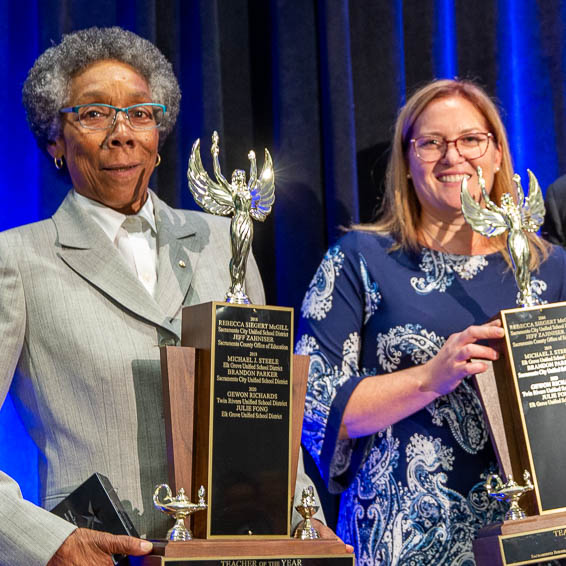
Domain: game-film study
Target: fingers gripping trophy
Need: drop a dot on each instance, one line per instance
(243, 201)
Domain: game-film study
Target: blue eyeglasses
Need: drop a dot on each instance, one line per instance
(144, 116)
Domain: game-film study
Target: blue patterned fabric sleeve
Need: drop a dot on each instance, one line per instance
(338, 302)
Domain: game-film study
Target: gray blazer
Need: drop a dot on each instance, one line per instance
(80, 337)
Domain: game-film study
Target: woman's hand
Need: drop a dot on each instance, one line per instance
(382, 400)
(326, 532)
(459, 357)
(85, 547)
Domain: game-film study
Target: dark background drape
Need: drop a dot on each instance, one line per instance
(317, 82)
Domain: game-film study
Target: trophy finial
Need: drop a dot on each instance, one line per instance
(238, 199)
(307, 508)
(514, 218)
(178, 507)
(510, 492)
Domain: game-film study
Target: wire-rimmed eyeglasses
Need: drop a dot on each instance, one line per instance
(98, 116)
(469, 146)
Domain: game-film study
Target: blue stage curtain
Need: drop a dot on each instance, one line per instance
(318, 82)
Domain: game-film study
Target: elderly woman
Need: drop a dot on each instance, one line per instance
(87, 296)
(394, 322)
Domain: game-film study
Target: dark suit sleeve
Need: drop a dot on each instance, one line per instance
(555, 217)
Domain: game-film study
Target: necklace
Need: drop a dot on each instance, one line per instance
(434, 240)
(439, 246)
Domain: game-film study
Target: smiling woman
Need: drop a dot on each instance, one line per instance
(88, 294)
(457, 130)
(395, 320)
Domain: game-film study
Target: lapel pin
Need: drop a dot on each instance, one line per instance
(182, 263)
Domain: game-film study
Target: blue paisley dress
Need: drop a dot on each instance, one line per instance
(412, 493)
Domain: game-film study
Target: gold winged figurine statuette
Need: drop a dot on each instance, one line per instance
(518, 218)
(243, 201)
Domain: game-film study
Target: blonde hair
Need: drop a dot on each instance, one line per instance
(400, 211)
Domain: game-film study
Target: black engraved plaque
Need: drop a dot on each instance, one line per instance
(537, 340)
(249, 476)
(534, 547)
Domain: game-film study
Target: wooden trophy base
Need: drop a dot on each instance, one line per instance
(268, 552)
(193, 381)
(532, 540)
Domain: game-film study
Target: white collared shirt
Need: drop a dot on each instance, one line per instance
(135, 236)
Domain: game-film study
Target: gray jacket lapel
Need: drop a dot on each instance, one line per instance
(179, 246)
(85, 248)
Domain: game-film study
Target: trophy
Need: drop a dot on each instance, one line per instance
(233, 407)
(525, 396)
(245, 391)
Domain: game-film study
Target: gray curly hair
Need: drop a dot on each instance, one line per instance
(46, 88)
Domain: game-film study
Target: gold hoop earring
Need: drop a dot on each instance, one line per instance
(58, 162)
(158, 161)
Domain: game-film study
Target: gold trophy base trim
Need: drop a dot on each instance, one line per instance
(305, 531)
(211, 548)
(178, 532)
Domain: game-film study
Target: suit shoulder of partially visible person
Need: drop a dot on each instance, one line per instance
(554, 223)
(554, 266)
(557, 188)
(552, 275)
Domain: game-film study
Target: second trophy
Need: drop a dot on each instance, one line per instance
(525, 397)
